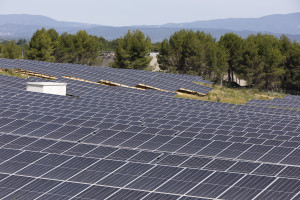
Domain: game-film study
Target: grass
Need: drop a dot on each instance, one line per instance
(10, 72)
(205, 84)
(149, 68)
(233, 95)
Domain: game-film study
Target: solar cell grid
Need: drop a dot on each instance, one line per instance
(196, 162)
(215, 184)
(214, 148)
(4, 139)
(128, 194)
(281, 188)
(220, 165)
(59, 147)
(80, 149)
(100, 152)
(34, 170)
(11, 167)
(10, 184)
(33, 189)
(64, 191)
(8, 153)
(248, 132)
(244, 167)
(19, 143)
(145, 157)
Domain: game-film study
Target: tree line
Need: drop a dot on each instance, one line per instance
(264, 61)
(49, 46)
(13, 50)
(82, 48)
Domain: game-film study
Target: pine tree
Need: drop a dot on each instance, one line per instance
(132, 50)
(11, 50)
(252, 65)
(40, 46)
(233, 44)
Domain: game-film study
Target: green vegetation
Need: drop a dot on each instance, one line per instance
(10, 72)
(233, 95)
(194, 53)
(49, 46)
(11, 50)
(155, 47)
(264, 61)
(232, 44)
(132, 50)
(108, 45)
(79, 48)
(41, 46)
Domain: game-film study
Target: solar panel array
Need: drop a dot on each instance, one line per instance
(122, 143)
(288, 102)
(165, 81)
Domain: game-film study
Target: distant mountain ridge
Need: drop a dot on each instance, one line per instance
(279, 23)
(15, 26)
(38, 20)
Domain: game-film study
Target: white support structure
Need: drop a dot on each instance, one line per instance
(47, 87)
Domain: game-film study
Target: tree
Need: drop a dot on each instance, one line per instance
(112, 45)
(21, 42)
(272, 61)
(40, 46)
(24, 47)
(163, 56)
(65, 52)
(233, 44)
(106, 45)
(291, 80)
(274, 69)
(132, 50)
(221, 67)
(190, 52)
(215, 58)
(50, 46)
(155, 47)
(252, 64)
(176, 56)
(193, 55)
(87, 47)
(11, 50)
(1, 49)
(54, 39)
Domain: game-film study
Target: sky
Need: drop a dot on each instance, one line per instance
(150, 12)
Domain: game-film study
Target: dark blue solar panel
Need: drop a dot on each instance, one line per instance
(248, 151)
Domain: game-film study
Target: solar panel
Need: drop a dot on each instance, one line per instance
(125, 143)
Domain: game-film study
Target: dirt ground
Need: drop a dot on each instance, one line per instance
(153, 62)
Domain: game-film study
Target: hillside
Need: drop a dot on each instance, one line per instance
(287, 24)
(23, 26)
(38, 20)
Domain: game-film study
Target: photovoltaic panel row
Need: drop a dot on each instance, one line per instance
(126, 77)
(166, 147)
(72, 148)
(142, 176)
(285, 103)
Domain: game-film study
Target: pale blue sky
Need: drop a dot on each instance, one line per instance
(141, 12)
